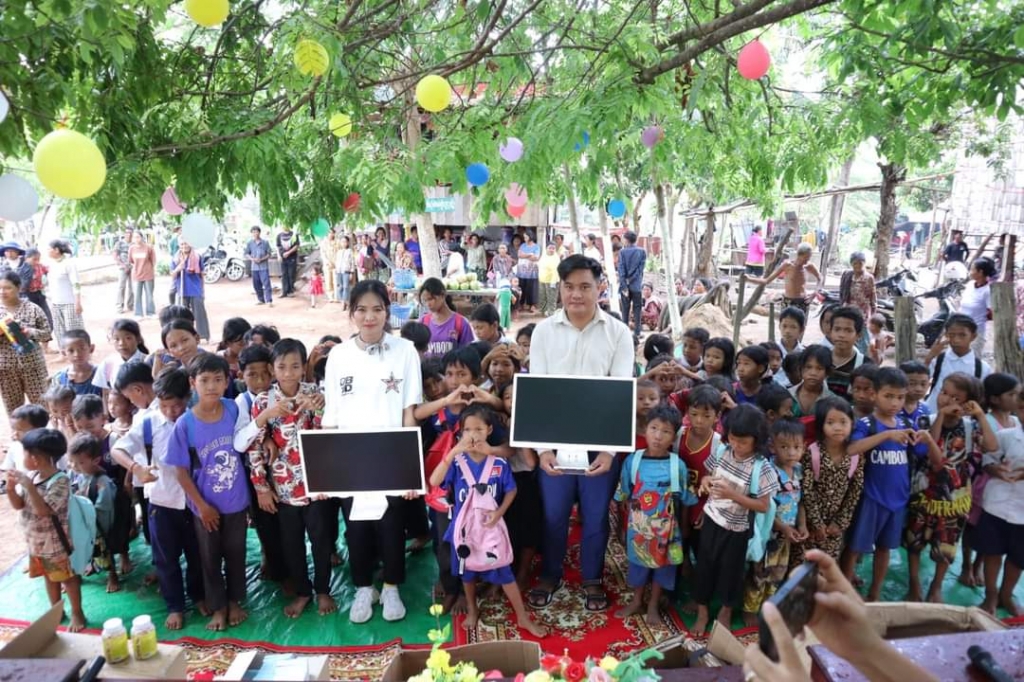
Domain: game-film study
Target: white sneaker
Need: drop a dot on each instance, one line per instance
(362, 605)
(394, 609)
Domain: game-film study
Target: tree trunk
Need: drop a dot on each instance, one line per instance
(835, 215)
(892, 176)
(1009, 357)
(636, 210)
(666, 237)
(707, 247)
(931, 230)
(906, 329)
(425, 221)
(684, 249)
(609, 258)
(574, 221)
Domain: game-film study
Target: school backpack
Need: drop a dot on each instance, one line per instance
(938, 371)
(657, 535)
(760, 523)
(443, 444)
(82, 524)
(480, 547)
(815, 451)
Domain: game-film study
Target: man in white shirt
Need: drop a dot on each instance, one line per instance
(171, 529)
(953, 353)
(578, 340)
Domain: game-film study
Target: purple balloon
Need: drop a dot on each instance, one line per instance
(511, 150)
(651, 136)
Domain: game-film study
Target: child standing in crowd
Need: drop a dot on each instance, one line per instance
(880, 339)
(525, 518)
(126, 338)
(691, 355)
(654, 485)
(696, 442)
(833, 478)
(941, 485)
(751, 365)
(774, 359)
(80, 375)
(23, 420)
(211, 472)
(475, 467)
(976, 301)
(719, 355)
(486, 324)
(121, 412)
(232, 341)
(665, 372)
(792, 322)
(86, 459)
(862, 390)
(44, 500)
(815, 363)
(953, 352)
(887, 444)
(58, 404)
(316, 284)
(648, 396)
(448, 329)
(789, 528)
(847, 327)
(733, 494)
(776, 402)
(914, 408)
(523, 338)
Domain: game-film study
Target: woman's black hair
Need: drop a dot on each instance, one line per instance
(705, 395)
(985, 266)
(665, 413)
(825, 405)
(12, 277)
(466, 356)
(480, 411)
(267, 332)
(997, 384)
(287, 347)
(722, 384)
(47, 442)
(747, 421)
(486, 313)
(526, 331)
(418, 333)
(251, 354)
(134, 372)
(35, 415)
(772, 397)
(795, 314)
(234, 330)
(87, 407)
(62, 245)
(175, 312)
(435, 287)
(757, 354)
(177, 325)
(658, 344)
(131, 327)
(818, 353)
(728, 352)
(371, 286)
(578, 261)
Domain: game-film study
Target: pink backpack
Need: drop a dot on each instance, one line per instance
(816, 462)
(479, 547)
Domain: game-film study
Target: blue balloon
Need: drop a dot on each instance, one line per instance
(616, 208)
(586, 141)
(477, 174)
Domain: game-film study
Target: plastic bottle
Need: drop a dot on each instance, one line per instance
(144, 643)
(115, 641)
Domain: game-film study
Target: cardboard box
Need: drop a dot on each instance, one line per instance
(899, 620)
(284, 667)
(41, 640)
(511, 658)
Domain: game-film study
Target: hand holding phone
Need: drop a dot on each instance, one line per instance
(795, 602)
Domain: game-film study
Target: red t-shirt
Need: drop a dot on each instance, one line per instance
(695, 470)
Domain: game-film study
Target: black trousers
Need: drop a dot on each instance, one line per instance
(268, 530)
(451, 583)
(632, 306)
(369, 541)
(417, 525)
(296, 522)
(289, 267)
(222, 553)
(173, 533)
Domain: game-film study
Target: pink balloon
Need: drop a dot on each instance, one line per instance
(753, 60)
(651, 136)
(170, 202)
(516, 211)
(511, 150)
(516, 195)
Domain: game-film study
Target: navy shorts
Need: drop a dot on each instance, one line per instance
(994, 536)
(638, 576)
(876, 527)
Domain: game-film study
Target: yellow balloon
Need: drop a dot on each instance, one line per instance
(311, 58)
(433, 93)
(69, 164)
(208, 13)
(341, 125)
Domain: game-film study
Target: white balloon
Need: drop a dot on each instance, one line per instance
(198, 230)
(18, 198)
(5, 107)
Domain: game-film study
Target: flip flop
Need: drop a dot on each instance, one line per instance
(539, 598)
(595, 601)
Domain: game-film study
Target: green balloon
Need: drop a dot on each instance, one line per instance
(321, 227)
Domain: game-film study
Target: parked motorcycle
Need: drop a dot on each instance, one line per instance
(225, 260)
(931, 329)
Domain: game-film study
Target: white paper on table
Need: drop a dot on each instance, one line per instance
(368, 507)
(572, 461)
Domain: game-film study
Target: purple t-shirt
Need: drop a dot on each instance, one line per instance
(455, 332)
(220, 475)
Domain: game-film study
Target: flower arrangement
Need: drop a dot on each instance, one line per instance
(553, 668)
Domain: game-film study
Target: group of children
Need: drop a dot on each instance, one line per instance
(744, 461)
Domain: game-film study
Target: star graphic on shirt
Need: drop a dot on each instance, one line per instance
(392, 384)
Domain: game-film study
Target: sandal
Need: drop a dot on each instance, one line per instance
(540, 598)
(595, 599)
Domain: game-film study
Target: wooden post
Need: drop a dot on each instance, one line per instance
(771, 321)
(1009, 357)
(906, 329)
(737, 318)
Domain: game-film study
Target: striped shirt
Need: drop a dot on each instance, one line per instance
(729, 514)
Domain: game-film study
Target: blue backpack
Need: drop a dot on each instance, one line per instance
(760, 523)
(82, 523)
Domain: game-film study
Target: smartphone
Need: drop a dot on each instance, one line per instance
(924, 423)
(795, 601)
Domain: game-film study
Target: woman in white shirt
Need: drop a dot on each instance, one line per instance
(64, 291)
(977, 299)
(344, 267)
(373, 381)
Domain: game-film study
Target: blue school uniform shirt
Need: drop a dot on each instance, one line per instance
(220, 475)
(742, 398)
(887, 467)
(499, 434)
(499, 484)
(913, 418)
(87, 387)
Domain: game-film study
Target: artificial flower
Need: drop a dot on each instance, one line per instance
(575, 672)
(467, 672)
(551, 664)
(436, 610)
(599, 674)
(538, 676)
(609, 663)
(424, 676)
(440, 661)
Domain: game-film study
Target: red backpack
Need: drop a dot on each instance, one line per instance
(443, 444)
